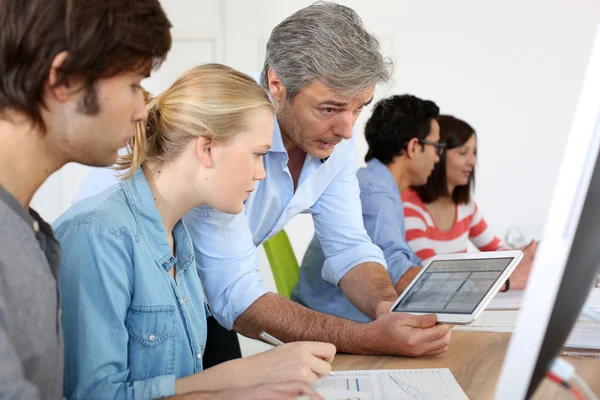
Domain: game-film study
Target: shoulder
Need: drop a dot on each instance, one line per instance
(107, 212)
(466, 210)
(416, 215)
(13, 228)
(370, 183)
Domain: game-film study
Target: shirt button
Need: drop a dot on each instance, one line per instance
(151, 337)
(198, 355)
(183, 300)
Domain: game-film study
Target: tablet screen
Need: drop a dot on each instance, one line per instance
(453, 286)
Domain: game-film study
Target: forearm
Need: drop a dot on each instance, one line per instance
(291, 322)
(366, 285)
(407, 278)
(228, 375)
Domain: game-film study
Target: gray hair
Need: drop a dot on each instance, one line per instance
(327, 43)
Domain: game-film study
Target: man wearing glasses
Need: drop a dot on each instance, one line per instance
(403, 137)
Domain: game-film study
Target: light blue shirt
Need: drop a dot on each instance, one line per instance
(226, 244)
(130, 330)
(383, 216)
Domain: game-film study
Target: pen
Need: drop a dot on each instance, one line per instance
(590, 354)
(272, 340)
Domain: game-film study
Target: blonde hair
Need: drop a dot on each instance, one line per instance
(210, 100)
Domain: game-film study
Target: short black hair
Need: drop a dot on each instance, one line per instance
(394, 122)
(455, 133)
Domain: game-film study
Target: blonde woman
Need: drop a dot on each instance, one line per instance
(134, 311)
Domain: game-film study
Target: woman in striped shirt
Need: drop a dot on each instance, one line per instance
(441, 216)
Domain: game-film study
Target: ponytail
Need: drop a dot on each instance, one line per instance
(145, 132)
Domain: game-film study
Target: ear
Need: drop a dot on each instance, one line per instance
(204, 151)
(276, 87)
(68, 89)
(412, 147)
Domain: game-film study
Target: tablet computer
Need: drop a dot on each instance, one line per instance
(457, 287)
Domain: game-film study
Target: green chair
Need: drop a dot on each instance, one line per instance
(284, 264)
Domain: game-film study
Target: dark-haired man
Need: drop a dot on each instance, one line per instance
(403, 136)
(70, 74)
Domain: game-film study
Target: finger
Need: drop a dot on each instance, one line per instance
(435, 332)
(418, 321)
(324, 351)
(436, 345)
(320, 368)
(436, 352)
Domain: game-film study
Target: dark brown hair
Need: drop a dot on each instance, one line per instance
(455, 133)
(102, 38)
(396, 121)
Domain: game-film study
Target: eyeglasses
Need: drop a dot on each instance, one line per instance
(439, 147)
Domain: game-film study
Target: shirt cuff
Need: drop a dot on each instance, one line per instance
(398, 267)
(236, 300)
(337, 266)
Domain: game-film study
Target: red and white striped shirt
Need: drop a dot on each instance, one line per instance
(427, 240)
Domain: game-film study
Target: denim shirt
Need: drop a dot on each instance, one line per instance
(383, 216)
(130, 329)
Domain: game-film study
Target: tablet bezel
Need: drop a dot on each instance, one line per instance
(463, 319)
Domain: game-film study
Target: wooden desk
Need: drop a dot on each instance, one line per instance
(475, 359)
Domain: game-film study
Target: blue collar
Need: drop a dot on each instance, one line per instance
(150, 224)
(277, 140)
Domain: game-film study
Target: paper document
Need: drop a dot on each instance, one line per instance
(393, 384)
(512, 300)
(585, 335)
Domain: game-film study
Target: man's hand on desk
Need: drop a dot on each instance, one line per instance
(407, 334)
(519, 277)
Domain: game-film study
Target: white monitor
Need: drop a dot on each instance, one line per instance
(568, 257)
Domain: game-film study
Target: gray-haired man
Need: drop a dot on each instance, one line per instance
(321, 69)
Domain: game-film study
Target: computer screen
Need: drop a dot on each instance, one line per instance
(568, 258)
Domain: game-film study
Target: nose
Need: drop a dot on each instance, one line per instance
(140, 113)
(260, 172)
(437, 157)
(472, 160)
(344, 124)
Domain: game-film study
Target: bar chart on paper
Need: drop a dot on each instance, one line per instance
(413, 384)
